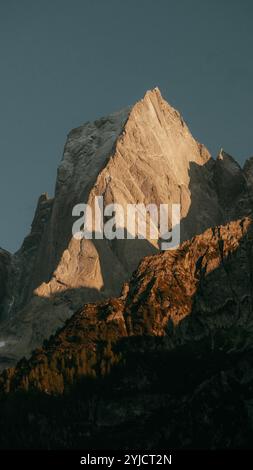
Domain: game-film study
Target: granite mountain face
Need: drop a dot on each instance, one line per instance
(143, 154)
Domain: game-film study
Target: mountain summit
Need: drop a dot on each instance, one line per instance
(142, 154)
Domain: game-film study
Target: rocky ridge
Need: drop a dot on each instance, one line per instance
(182, 296)
(168, 363)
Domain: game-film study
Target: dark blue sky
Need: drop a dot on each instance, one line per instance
(66, 62)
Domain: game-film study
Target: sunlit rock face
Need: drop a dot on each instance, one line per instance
(142, 154)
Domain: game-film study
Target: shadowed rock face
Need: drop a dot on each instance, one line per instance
(168, 363)
(5, 260)
(144, 154)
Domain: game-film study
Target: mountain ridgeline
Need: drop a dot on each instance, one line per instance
(114, 343)
(143, 154)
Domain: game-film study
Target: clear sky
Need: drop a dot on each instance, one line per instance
(64, 62)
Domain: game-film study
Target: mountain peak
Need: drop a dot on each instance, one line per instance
(142, 154)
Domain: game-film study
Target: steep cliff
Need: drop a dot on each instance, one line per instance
(143, 154)
(5, 262)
